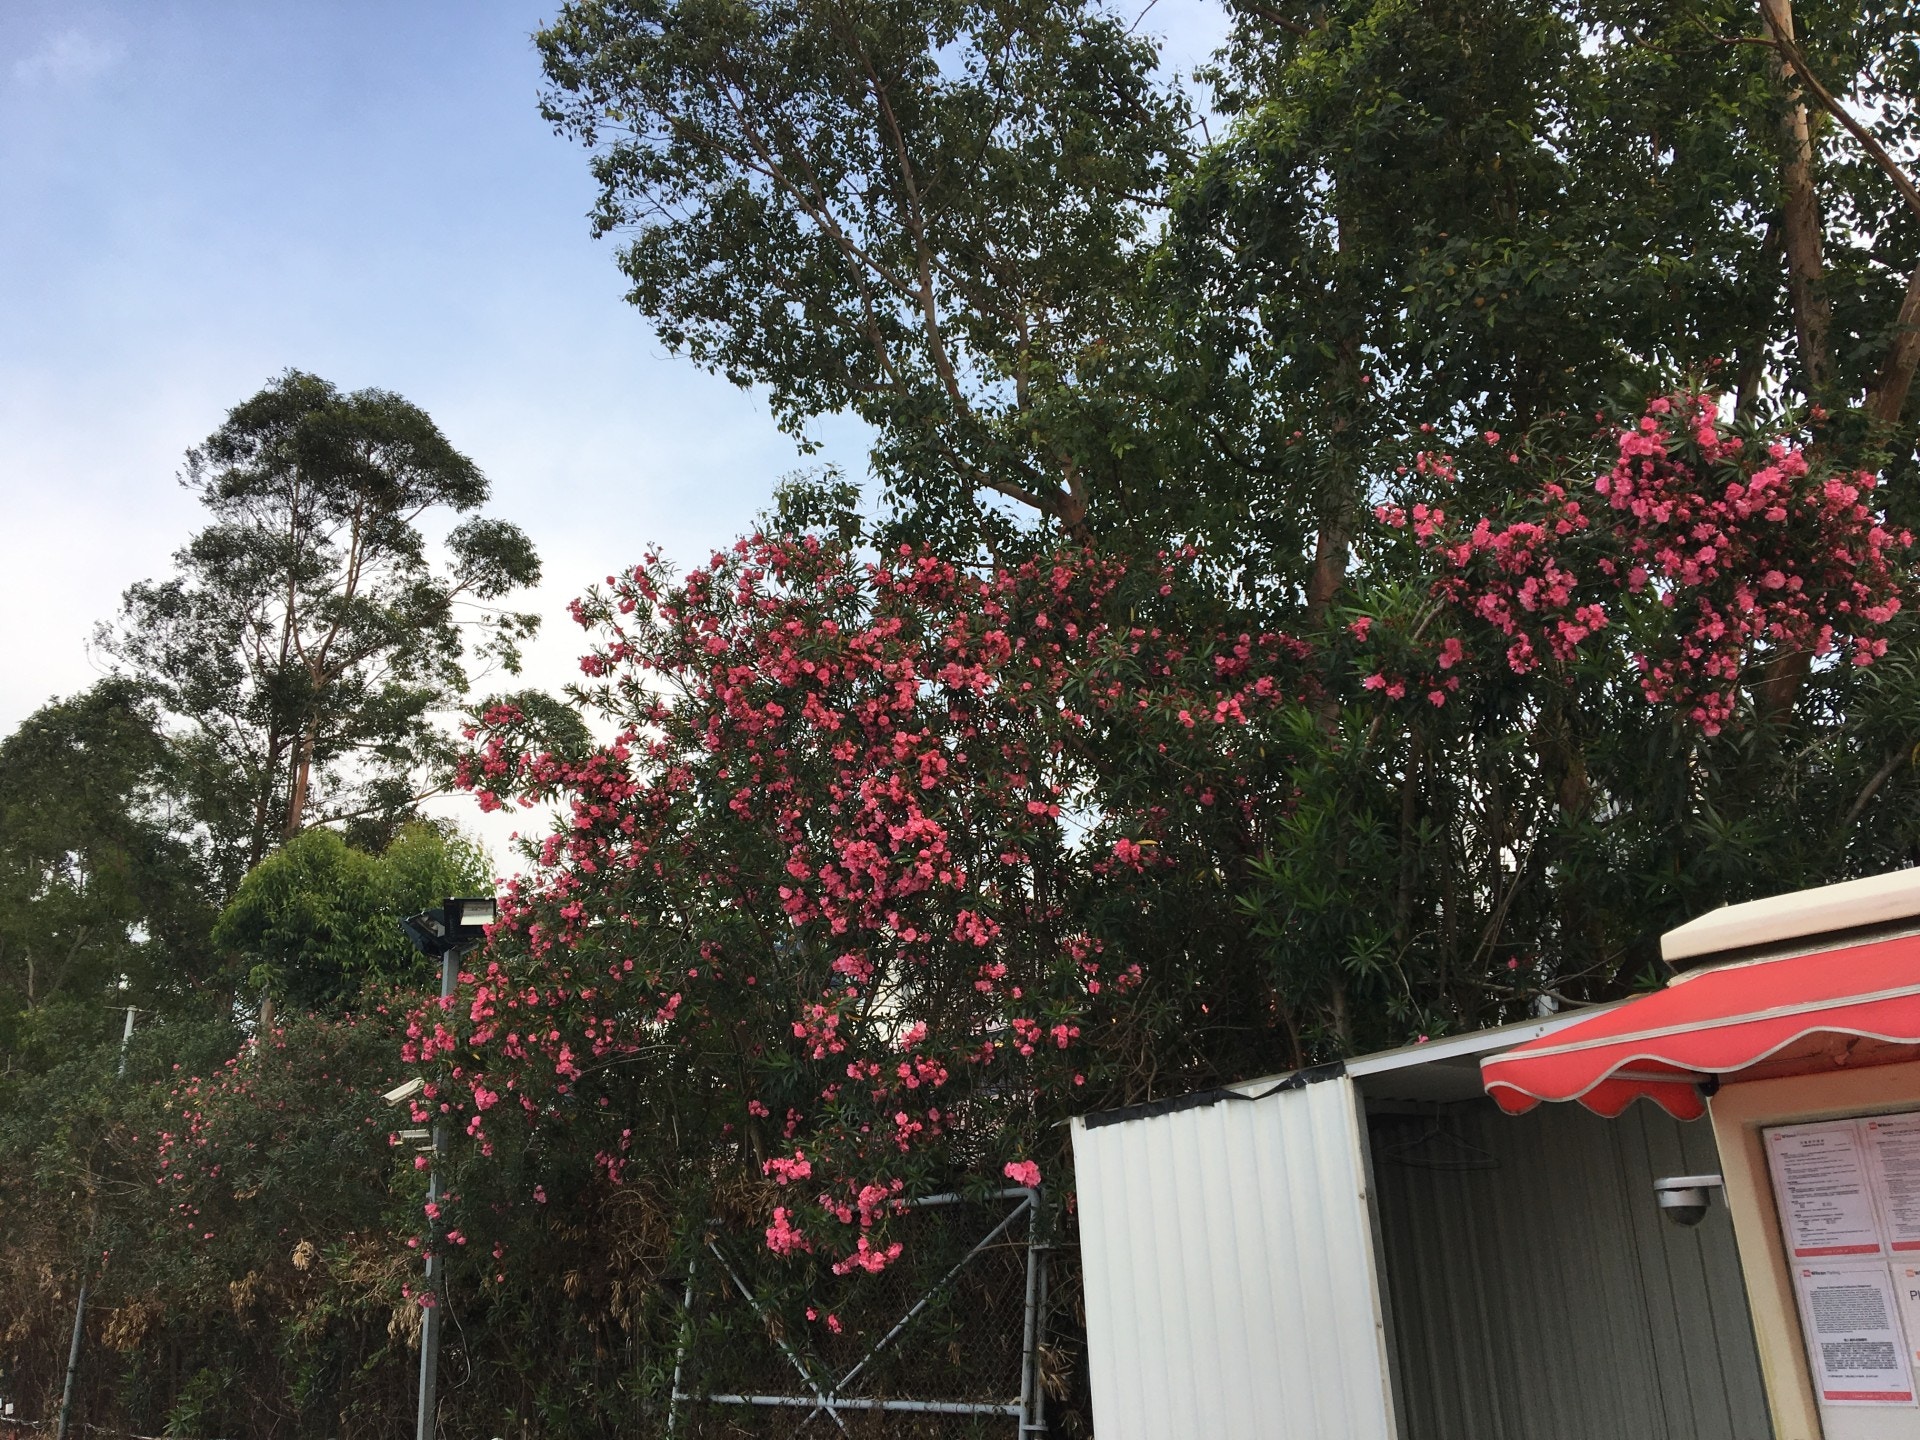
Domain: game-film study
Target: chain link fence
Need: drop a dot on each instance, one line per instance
(943, 1344)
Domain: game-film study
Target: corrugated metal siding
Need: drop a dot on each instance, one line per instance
(1535, 1292)
(1229, 1273)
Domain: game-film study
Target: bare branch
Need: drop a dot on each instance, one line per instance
(1872, 788)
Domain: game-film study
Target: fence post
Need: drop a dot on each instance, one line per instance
(73, 1359)
(680, 1354)
(1041, 1249)
(1029, 1360)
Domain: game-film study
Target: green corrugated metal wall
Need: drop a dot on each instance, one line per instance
(1535, 1292)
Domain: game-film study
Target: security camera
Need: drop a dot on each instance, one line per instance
(404, 1092)
(1684, 1199)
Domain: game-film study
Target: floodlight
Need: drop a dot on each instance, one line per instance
(400, 1094)
(468, 919)
(427, 931)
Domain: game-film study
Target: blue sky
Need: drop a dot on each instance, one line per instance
(195, 196)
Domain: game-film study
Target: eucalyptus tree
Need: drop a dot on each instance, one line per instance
(928, 213)
(307, 642)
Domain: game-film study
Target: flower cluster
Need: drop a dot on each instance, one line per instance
(1697, 550)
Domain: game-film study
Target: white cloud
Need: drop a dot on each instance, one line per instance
(68, 58)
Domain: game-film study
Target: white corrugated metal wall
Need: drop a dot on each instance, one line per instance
(1229, 1272)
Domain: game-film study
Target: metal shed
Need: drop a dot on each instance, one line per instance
(1373, 1252)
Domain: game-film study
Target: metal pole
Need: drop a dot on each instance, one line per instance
(1029, 1361)
(126, 1039)
(680, 1355)
(433, 1300)
(430, 1321)
(1039, 1425)
(73, 1359)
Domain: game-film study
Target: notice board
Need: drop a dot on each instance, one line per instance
(1848, 1194)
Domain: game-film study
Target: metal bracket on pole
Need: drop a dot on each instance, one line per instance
(126, 1039)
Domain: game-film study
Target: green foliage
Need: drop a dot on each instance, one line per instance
(306, 643)
(239, 1217)
(1498, 216)
(248, 1221)
(1529, 839)
(295, 668)
(1456, 212)
(318, 921)
(101, 898)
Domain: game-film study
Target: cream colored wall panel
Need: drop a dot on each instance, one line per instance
(1230, 1283)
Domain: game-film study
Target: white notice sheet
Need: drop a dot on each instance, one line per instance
(1893, 1158)
(1820, 1182)
(1906, 1287)
(1854, 1338)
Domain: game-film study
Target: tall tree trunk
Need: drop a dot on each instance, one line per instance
(1753, 352)
(1800, 214)
(1338, 503)
(1785, 674)
(1888, 398)
(1409, 821)
(1329, 571)
(297, 791)
(1332, 546)
(1342, 1019)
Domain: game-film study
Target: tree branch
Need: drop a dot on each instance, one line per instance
(1888, 397)
(1273, 18)
(1783, 42)
(1872, 787)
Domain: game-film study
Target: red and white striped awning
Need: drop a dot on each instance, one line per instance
(1750, 1020)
